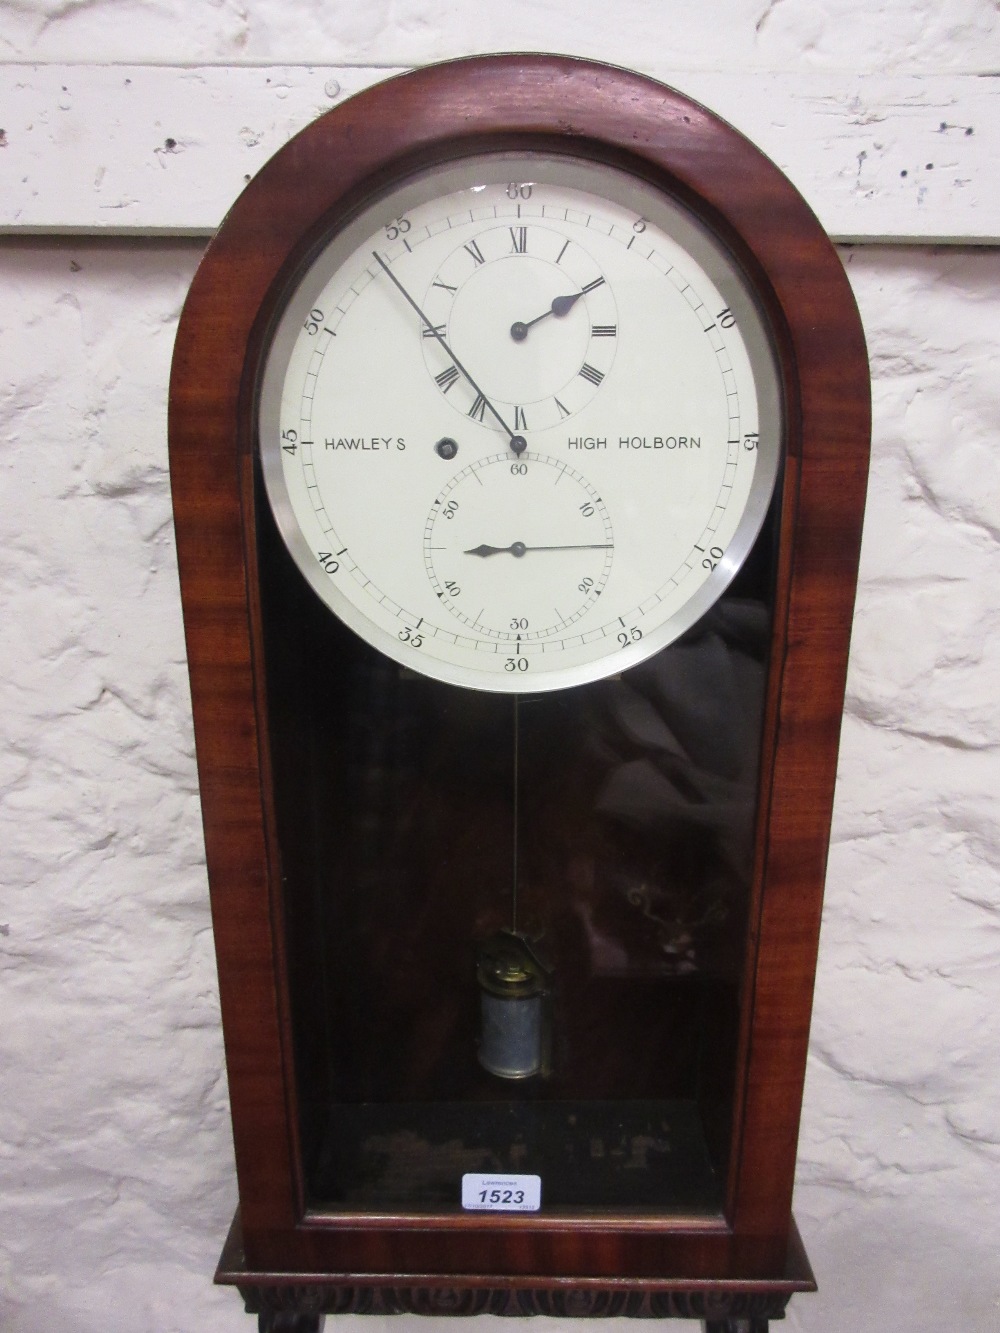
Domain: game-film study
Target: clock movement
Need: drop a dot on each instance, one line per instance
(519, 423)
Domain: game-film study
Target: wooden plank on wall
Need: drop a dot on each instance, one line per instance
(164, 150)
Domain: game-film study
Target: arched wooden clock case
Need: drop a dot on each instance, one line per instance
(353, 808)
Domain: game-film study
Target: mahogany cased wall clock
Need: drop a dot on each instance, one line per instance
(519, 423)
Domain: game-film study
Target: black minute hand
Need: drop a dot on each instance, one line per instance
(517, 442)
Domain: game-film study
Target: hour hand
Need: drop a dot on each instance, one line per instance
(560, 306)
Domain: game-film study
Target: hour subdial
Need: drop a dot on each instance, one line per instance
(530, 315)
(518, 551)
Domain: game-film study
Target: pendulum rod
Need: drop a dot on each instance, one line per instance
(515, 984)
(517, 810)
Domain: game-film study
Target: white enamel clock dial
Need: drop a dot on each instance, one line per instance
(520, 422)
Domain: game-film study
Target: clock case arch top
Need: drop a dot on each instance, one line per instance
(320, 179)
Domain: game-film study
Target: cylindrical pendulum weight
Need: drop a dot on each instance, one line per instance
(515, 996)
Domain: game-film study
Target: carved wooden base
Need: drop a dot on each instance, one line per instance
(294, 1303)
(300, 1308)
(291, 1321)
(284, 1321)
(287, 1321)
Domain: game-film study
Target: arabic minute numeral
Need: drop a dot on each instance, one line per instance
(585, 585)
(639, 226)
(750, 440)
(314, 321)
(452, 588)
(726, 318)
(397, 228)
(515, 190)
(632, 635)
(450, 509)
(587, 509)
(519, 622)
(327, 560)
(518, 469)
(715, 554)
(411, 637)
(290, 441)
(516, 664)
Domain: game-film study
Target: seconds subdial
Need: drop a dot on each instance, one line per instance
(493, 525)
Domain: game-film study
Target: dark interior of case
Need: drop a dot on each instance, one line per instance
(395, 808)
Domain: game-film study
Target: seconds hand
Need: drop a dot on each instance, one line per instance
(517, 442)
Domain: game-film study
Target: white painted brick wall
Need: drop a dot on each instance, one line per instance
(926, 36)
(115, 1154)
(899, 1164)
